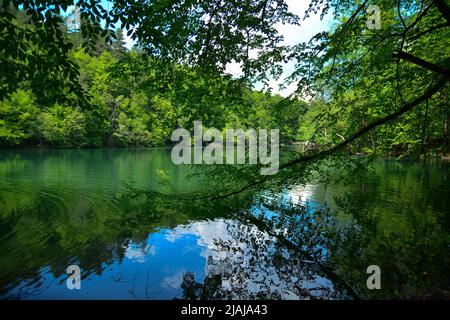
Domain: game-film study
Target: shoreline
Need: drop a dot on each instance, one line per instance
(169, 147)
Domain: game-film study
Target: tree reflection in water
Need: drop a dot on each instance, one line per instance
(249, 246)
(247, 263)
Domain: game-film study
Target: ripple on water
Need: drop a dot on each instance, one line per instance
(61, 195)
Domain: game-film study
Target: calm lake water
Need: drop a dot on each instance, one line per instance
(64, 207)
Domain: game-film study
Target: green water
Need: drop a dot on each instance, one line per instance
(63, 207)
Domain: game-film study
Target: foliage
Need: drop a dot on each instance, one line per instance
(62, 126)
(17, 117)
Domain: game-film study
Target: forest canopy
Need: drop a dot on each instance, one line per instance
(359, 89)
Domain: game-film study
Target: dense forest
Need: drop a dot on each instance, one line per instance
(74, 86)
(132, 99)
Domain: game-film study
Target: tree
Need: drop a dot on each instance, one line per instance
(118, 46)
(17, 118)
(62, 126)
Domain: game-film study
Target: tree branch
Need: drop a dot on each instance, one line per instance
(429, 92)
(431, 29)
(424, 64)
(407, 107)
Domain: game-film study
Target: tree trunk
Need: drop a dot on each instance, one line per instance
(424, 130)
(447, 134)
(112, 119)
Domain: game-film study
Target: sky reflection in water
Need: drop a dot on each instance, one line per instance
(155, 269)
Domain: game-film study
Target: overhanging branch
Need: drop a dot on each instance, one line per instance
(431, 29)
(407, 107)
(429, 92)
(420, 62)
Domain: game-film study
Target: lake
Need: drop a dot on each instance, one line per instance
(96, 209)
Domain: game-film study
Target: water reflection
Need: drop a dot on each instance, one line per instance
(218, 259)
(310, 242)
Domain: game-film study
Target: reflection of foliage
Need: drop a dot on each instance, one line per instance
(255, 261)
(409, 240)
(193, 290)
(269, 237)
(247, 263)
(306, 232)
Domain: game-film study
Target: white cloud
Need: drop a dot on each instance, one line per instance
(292, 34)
